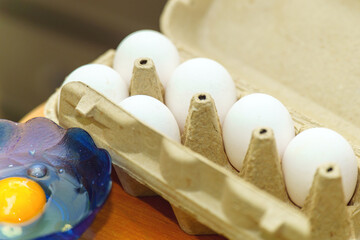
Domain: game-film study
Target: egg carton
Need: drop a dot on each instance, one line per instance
(206, 193)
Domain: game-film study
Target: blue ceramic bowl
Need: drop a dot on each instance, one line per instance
(66, 154)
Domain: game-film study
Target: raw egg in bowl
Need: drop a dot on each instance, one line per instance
(52, 181)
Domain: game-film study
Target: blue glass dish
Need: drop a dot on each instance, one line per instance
(70, 153)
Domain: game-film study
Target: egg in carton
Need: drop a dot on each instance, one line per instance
(202, 193)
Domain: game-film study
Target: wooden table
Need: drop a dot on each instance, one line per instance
(127, 217)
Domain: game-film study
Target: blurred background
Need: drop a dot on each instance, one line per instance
(42, 41)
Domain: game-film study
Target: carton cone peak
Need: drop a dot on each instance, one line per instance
(325, 205)
(145, 80)
(262, 166)
(202, 132)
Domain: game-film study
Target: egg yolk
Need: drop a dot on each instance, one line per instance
(21, 199)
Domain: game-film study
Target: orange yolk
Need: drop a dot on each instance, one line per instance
(21, 199)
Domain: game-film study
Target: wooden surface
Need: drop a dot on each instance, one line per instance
(127, 217)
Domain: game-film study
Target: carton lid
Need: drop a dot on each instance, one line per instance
(305, 53)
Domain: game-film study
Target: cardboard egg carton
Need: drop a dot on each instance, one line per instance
(206, 193)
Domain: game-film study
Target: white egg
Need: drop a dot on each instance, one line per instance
(154, 113)
(250, 112)
(146, 43)
(195, 76)
(102, 79)
(310, 149)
